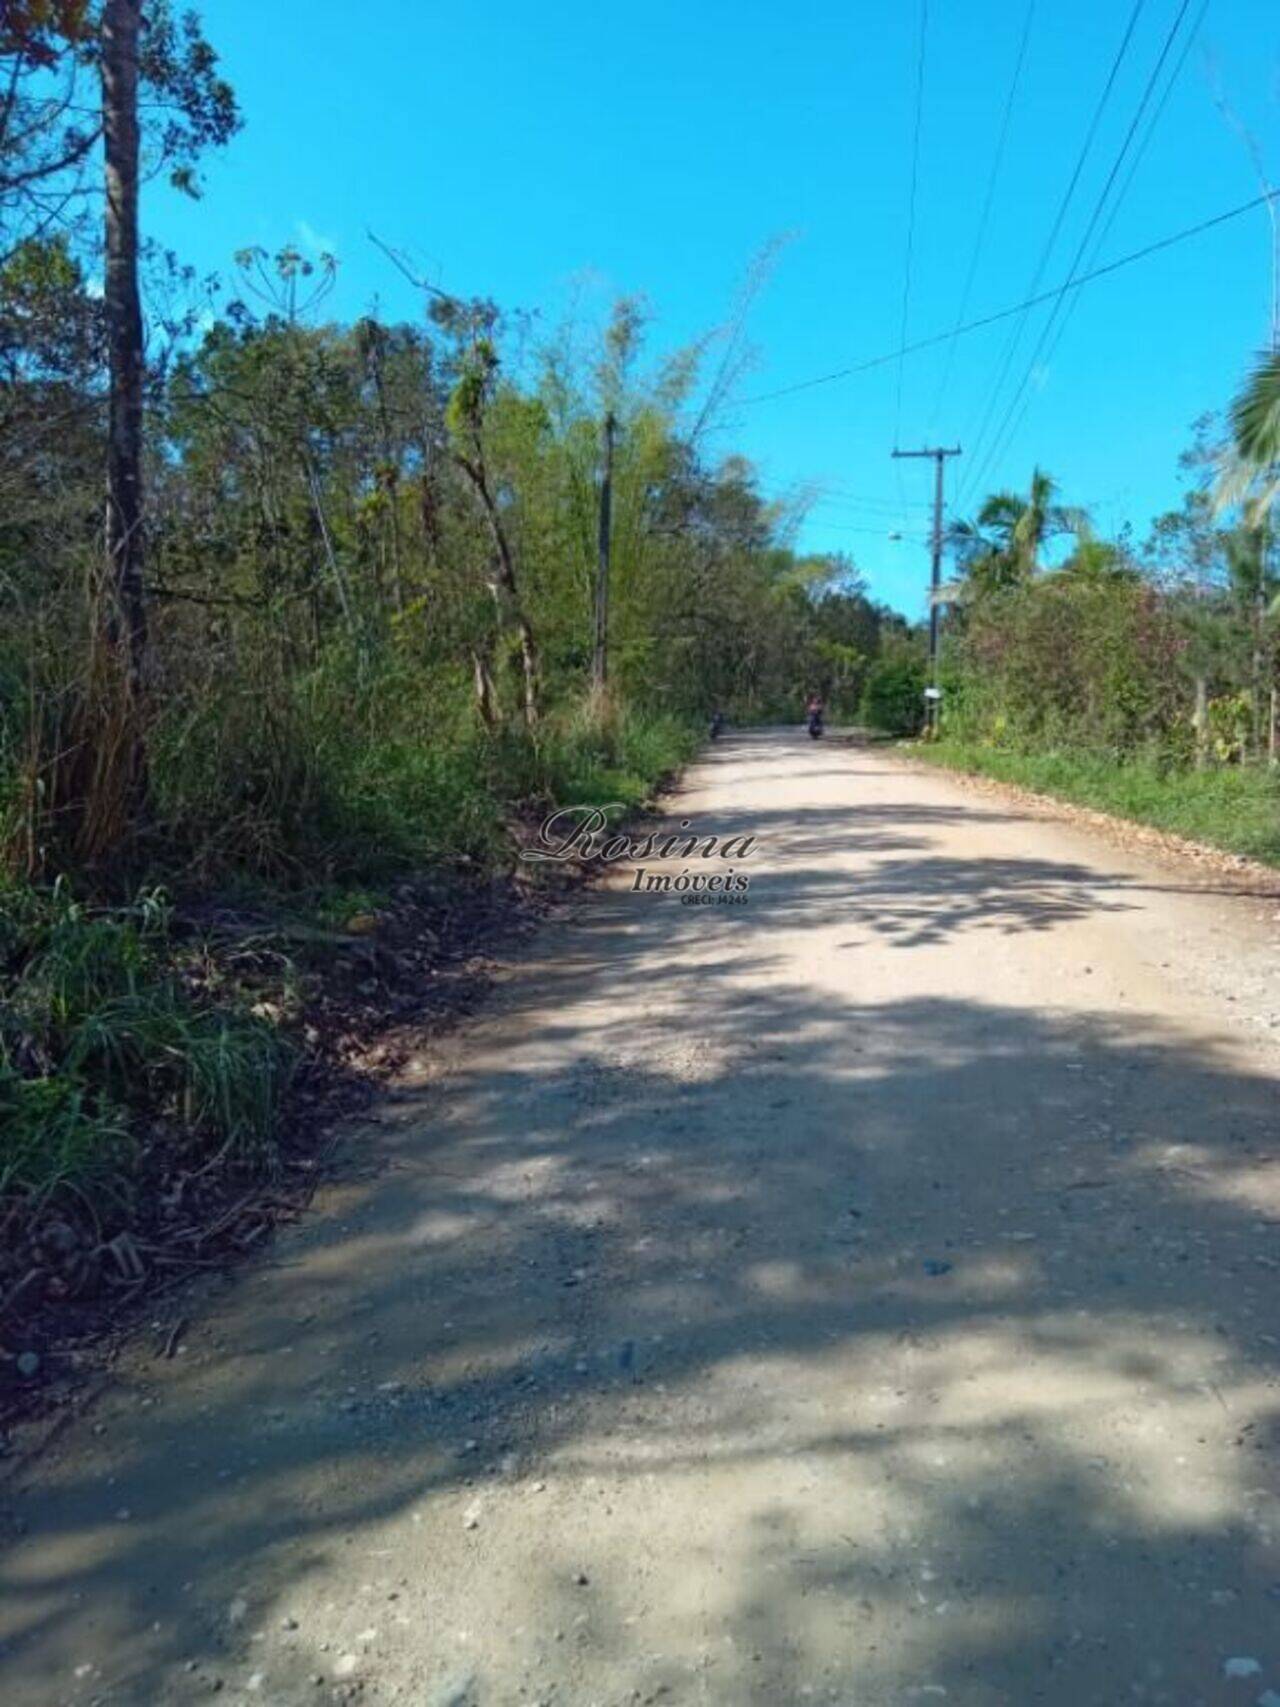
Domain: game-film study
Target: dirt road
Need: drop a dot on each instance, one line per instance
(864, 1295)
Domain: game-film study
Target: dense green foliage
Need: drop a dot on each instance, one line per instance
(364, 636)
(1127, 673)
(1140, 682)
(1072, 658)
(893, 698)
(373, 559)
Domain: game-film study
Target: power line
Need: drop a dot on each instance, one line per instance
(1002, 434)
(911, 203)
(1000, 314)
(862, 506)
(831, 493)
(1015, 336)
(985, 217)
(1138, 158)
(885, 532)
(882, 510)
(1163, 102)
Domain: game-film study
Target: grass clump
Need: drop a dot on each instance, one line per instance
(106, 1033)
(581, 758)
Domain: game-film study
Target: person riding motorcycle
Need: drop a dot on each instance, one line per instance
(814, 711)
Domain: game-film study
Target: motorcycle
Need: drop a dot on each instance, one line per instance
(815, 725)
(717, 724)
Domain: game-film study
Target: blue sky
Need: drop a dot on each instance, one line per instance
(557, 156)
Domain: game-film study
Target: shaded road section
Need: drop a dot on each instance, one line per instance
(866, 1295)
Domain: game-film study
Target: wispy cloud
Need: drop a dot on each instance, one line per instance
(314, 240)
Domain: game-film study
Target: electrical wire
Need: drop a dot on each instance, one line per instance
(985, 320)
(911, 205)
(1163, 102)
(1015, 336)
(1152, 126)
(1003, 432)
(984, 218)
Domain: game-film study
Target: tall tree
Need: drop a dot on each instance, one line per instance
(1026, 524)
(122, 305)
(466, 421)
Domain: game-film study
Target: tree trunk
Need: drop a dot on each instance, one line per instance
(505, 577)
(1200, 723)
(1259, 617)
(600, 647)
(127, 611)
(529, 670)
(331, 555)
(391, 472)
(428, 502)
(484, 688)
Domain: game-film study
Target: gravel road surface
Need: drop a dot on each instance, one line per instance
(867, 1294)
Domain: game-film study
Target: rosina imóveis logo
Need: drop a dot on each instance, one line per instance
(708, 864)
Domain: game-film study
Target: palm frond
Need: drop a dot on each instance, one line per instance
(1251, 471)
(1255, 414)
(1001, 511)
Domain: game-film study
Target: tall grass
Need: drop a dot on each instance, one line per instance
(582, 757)
(348, 775)
(343, 779)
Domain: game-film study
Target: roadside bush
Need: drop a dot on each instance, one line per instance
(1091, 661)
(107, 1028)
(893, 699)
(341, 772)
(351, 774)
(1230, 721)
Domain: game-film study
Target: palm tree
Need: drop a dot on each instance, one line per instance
(1003, 547)
(1252, 471)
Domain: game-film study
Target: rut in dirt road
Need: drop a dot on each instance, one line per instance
(867, 1294)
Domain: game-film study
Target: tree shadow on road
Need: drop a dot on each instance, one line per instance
(936, 1336)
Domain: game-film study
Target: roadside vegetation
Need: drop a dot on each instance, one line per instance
(354, 621)
(1142, 679)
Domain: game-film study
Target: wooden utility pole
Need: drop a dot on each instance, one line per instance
(600, 649)
(939, 455)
